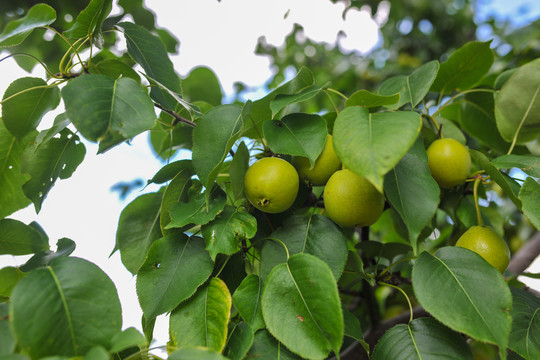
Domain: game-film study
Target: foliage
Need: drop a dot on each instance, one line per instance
(412, 33)
(238, 282)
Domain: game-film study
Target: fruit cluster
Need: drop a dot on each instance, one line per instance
(271, 185)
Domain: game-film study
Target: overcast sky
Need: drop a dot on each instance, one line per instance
(221, 35)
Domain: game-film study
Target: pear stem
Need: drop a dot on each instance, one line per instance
(477, 181)
(404, 294)
(282, 243)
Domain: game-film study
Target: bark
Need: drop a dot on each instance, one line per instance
(526, 255)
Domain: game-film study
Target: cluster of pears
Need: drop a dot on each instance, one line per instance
(271, 185)
(450, 164)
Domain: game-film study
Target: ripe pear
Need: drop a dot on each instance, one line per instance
(271, 184)
(326, 164)
(351, 200)
(484, 241)
(449, 162)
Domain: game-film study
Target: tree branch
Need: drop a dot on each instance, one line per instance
(526, 255)
(177, 118)
(519, 263)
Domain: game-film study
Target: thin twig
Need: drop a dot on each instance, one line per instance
(69, 75)
(177, 118)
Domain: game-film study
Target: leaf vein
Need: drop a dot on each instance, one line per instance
(304, 300)
(66, 308)
(413, 341)
(467, 295)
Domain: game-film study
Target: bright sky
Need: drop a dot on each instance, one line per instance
(224, 35)
(221, 35)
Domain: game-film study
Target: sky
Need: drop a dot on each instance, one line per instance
(223, 36)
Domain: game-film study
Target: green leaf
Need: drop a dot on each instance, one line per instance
(355, 266)
(449, 129)
(25, 102)
(530, 198)
(224, 234)
(176, 192)
(72, 298)
(148, 328)
(261, 112)
(240, 341)
(39, 229)
(247, 300)
(517, 106)
(368, 99)
(231, 269)
(60, 123)
(266, 347)
(504, 182)
(170, 41)
(138, 228)
(95, 353)
(529, 164)
(17, 238)
(503, 77)
(175, 267)
(372, 144)
(412, 88)
(282, 100)
(7, 338)
(166, 138)
(198, 353)
(477, 118)
(466, 213)
(9, 277)
(175, 101)
(170, 171)
(316, 235)
(389, 250)
(89, 21)
(197, 210)
(126, 339)
(530, 275)
(12, 197)
(149, 52)
(237, 171)
(101, 107)
(16, 31)
(57, 158)
(213, 137)
(353, 329)
(202, 84)
(202, 320)
(525, 334)
(24, 357)
(422, 338)
(413, 193)
(464, 68)
(301, 307)
(115, 69)
(479, 300)
(297, 134)
(64, 247)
